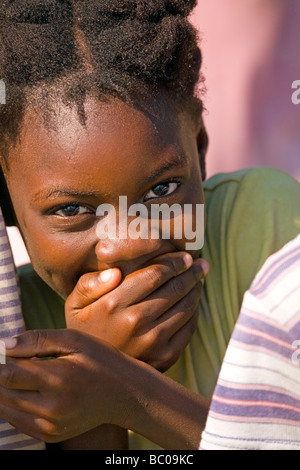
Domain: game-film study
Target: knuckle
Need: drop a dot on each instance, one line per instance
(154, 277)
(58, 382)
(51, 422)
(38, 338)
(83, 287)
(71, 337)
(190, 302)
(153, 340)
(8, 375)
(197, 272)
(178, 286)
(55, 409)
(41, 338)
(31, 335)
(112, 303)
(167, 358)
(48, 431)
(133, 319)
(175, 265)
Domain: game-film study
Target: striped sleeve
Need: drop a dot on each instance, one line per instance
(256, 403)
(11, 324)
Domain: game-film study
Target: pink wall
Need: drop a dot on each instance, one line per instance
(251, 53)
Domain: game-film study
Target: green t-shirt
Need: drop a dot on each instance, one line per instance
(250, 214)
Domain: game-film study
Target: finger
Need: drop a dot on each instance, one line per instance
(180, 314)
(175, 328)
(204, 263)
(22, 400)
(30, 424)
(43, 343)
(23, 374)
(91, 287)
(18, 374)
(177, 345)
(177, 285)
(167, 296)
(139, 285)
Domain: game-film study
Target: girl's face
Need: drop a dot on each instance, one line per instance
(58, 177)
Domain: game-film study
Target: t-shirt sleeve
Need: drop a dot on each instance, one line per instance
(42, 307)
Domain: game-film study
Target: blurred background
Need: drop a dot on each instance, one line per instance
(251, 57)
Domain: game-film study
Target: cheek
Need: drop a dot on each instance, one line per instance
(56, 260)
(188, 229)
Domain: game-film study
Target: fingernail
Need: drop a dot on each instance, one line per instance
(105, 276)
(10, 343)
(188, 260)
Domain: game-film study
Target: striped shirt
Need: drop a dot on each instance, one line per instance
(256, 403)
(11, 324)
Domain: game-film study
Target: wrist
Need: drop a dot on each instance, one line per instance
(162, 410)
(105, 437)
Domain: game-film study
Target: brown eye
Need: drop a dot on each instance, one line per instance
(162, 190)
(72, 210)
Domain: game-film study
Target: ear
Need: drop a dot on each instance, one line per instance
(202, 141)
(5, 202)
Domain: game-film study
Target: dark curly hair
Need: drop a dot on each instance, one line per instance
(70, 48)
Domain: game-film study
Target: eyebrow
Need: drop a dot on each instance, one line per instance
(53, 192)
(172, 164)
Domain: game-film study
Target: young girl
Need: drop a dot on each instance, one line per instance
(101, 103)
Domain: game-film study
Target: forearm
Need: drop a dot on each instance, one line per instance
(162, 410)
(105, 437)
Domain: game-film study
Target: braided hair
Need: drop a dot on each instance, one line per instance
(71, 48)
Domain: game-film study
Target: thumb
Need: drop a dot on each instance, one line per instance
(91, 287)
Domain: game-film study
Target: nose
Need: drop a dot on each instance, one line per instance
(128, 255)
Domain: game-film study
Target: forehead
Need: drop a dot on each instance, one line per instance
(117, 142)
(109, 117)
